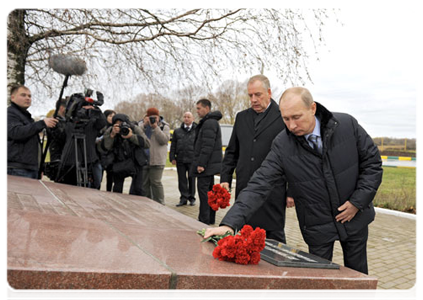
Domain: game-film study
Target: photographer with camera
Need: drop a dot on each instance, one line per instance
(126, 142)
(57, 141)
(84, 120)
(158, 133)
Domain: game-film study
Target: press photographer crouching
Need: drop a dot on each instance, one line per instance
(126, 142)
(79, 160)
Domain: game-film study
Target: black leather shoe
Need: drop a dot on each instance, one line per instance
(192, 203)
(181, 204)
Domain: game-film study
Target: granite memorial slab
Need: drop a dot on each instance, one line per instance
(67, 237)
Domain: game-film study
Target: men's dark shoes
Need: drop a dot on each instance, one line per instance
(181, 204)
(192, 203)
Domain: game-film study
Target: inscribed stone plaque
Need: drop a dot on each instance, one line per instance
(283, 255)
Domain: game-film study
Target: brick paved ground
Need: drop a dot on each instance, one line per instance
(391, 245)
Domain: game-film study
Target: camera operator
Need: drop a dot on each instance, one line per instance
(127, 143)
(83, 121)
(57, 141)
(158, 132)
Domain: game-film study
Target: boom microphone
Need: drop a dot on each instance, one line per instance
(67, 65)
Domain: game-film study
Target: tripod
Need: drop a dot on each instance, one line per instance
(81, 165)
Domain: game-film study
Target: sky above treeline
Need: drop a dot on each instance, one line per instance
(367, 69)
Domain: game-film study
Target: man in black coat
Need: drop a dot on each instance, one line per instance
(83, 126)
(182, 154)
(207, 156)
(23, 142)
(252, 135)
(333, 170)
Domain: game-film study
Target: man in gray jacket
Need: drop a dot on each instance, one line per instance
(333, 170)
(158, 133)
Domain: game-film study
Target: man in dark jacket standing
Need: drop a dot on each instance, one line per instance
(333, 170)
(252, 135)
(23, 142)
(182, 154)
(207, 156)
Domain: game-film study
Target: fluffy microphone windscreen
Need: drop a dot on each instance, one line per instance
(67, 65)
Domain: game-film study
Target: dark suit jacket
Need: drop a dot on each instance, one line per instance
(246, 151)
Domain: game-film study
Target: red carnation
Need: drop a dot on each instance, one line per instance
(218, 197)
(242, 248)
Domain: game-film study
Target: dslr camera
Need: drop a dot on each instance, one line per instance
(124, 128)
(152, 119)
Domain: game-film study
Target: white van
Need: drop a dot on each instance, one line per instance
(226, 134)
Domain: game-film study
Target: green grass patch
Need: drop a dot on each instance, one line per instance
(398, 189)
(168, 163)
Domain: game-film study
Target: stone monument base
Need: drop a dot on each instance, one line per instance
(67, 237)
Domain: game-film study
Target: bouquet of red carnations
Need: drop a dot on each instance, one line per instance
(218, 197)
(242, 248)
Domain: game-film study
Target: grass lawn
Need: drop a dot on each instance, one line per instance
(398, 189)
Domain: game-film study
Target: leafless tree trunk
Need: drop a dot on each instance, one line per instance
(17, 48)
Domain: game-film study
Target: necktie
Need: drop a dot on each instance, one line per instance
(314, 140)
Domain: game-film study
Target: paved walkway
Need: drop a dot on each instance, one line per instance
(391, 245)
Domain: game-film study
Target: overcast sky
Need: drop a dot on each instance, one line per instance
(369, 69)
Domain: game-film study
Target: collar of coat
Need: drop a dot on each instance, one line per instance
(24, 111)
(193, 125)
(273, 114)
(327, 121)
(217, 115)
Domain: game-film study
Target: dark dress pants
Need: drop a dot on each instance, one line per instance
(186, 184)
(109, 179)
(136, 185)
(205, 184)
(354, 250)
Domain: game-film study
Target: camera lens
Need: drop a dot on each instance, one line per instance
(152, 120)
(124, 129)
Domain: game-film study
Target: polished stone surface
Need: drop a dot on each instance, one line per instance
(66, 237)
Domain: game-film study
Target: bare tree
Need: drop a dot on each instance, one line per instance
(133, 50)
(137, 107)
(230, 98)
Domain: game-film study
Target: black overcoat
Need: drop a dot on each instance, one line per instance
(349, 169)
(246, 151)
